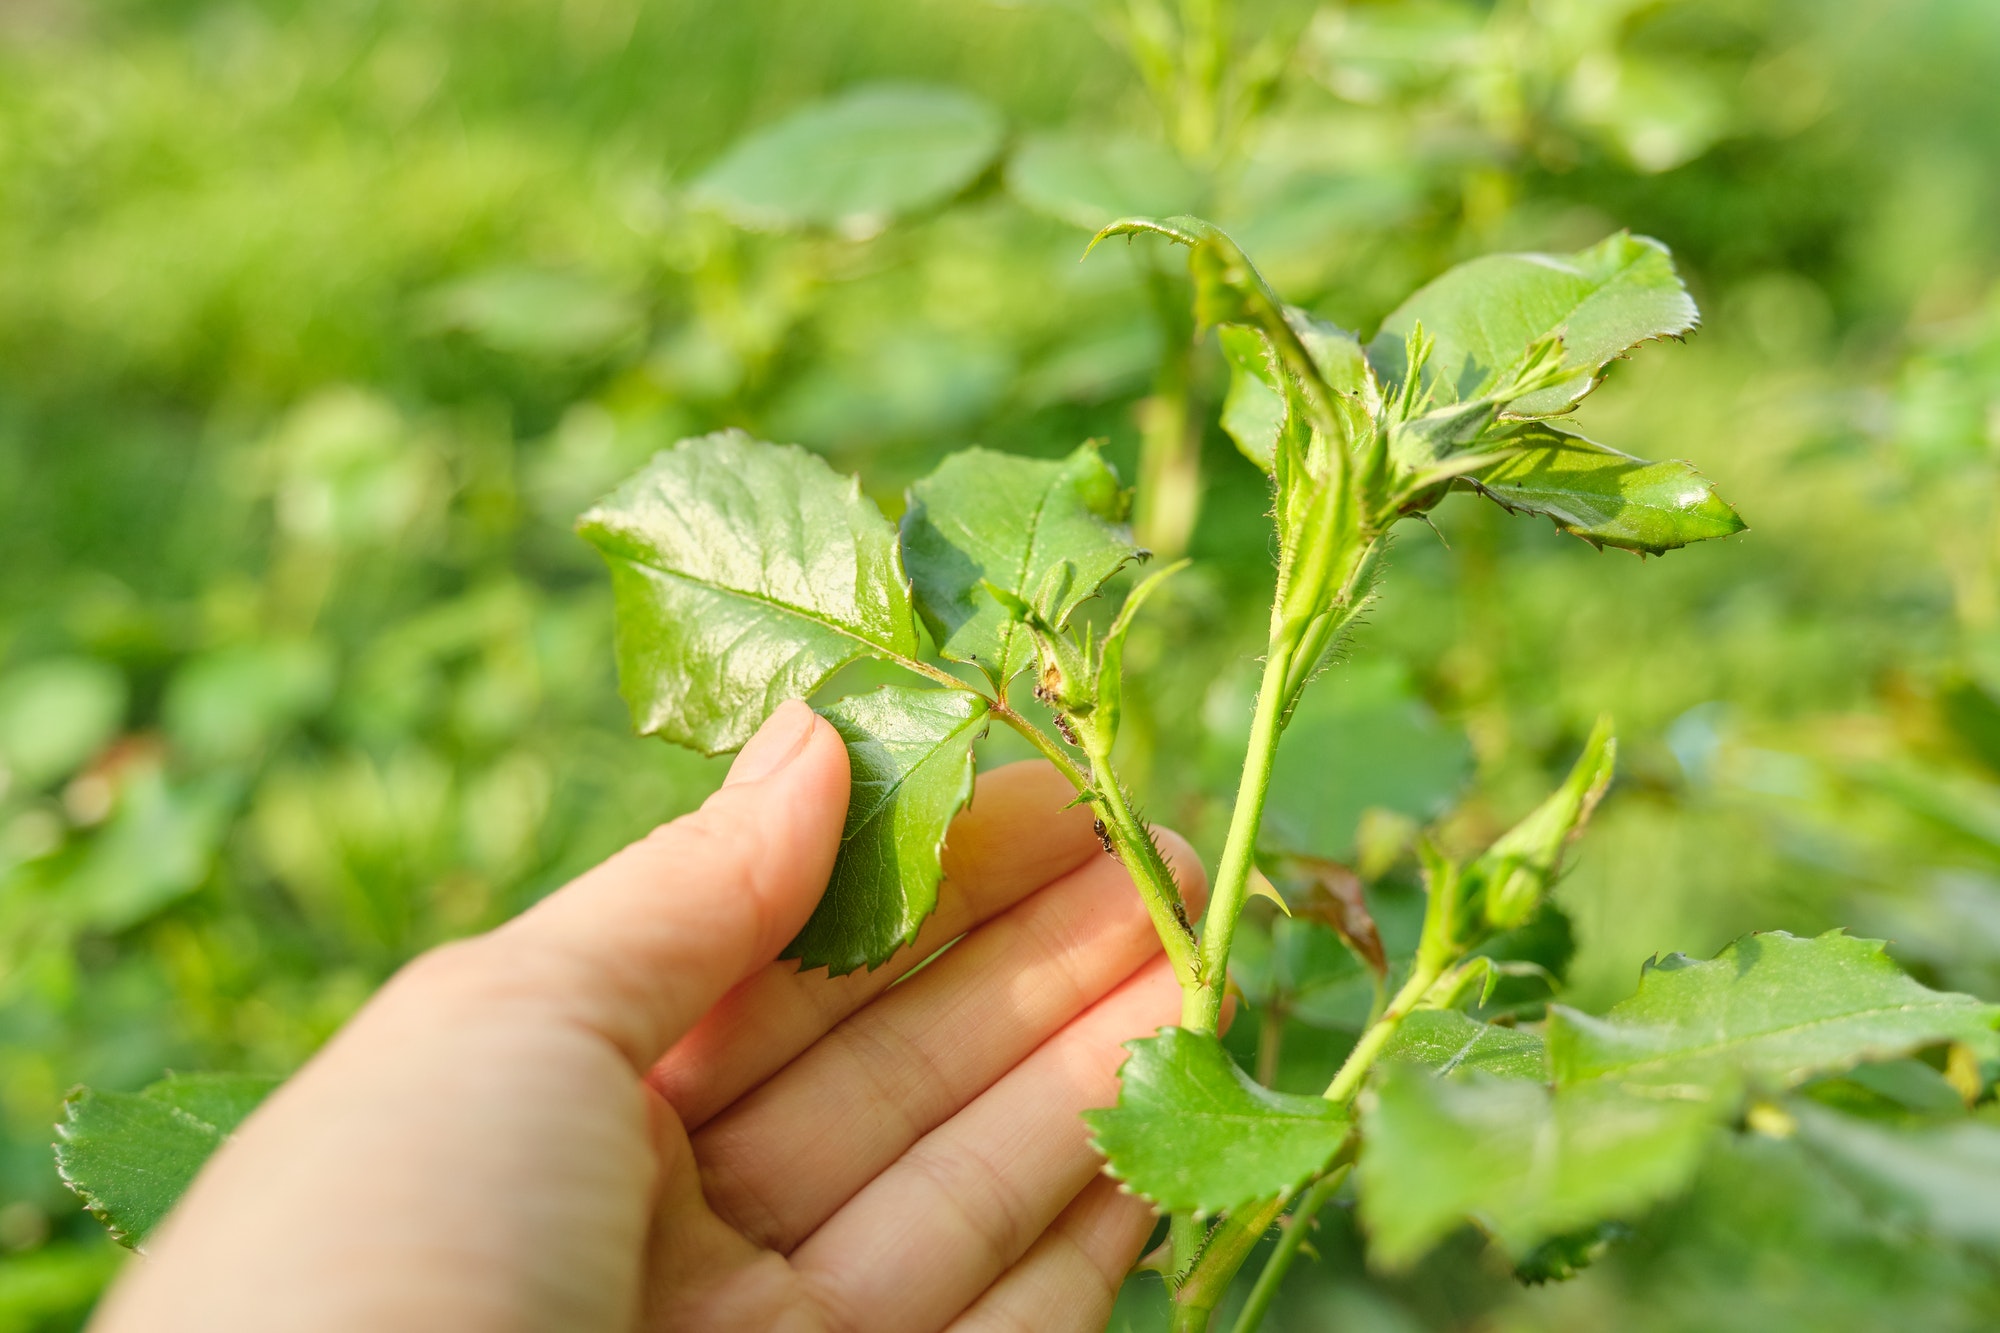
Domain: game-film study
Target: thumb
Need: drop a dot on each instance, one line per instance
(643, 945)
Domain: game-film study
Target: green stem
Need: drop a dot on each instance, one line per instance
(1203, 1008)
(1150, 872)
(1169, 495)
(1187, 1233)
(1227, 1249)
(1290, 1237)
(1140, 855)
(1169, 499)
(1270, 1042)
(1348, 1081)
(1038, 738)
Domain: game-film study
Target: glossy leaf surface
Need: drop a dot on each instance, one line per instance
(1523, 1163)
(1446, 1041)
(1047, 531)
(910, 756)
(745, 574)
(1192, 1132)
(1606, 497)
(1485, 314)
(1769, 1007)
(856, 162)
(130, 1156)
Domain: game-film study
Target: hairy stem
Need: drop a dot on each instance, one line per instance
(1135, 847)
(1290, 1237)
(1187, 1234)
(1203, 1008)
(1038, 738)
(1141, 857)
(1227, 1249)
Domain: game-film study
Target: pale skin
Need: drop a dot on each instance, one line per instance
(620, 1112)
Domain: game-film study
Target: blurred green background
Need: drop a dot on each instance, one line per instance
(319, 323)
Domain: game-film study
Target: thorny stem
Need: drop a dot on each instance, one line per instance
(1141, 857)
(1227, 1248)
(1291, 1235)
(1135, 847)
(1202, 1007)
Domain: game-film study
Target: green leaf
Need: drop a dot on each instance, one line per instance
(744, 574)
(1228, 289)
(1769, 1007)
(1486, 314)
(1049, 532)
(1094, 181)
(1524, 1164)
(1516, 871)
(1446, 1041)
(1603, 496)
(130, 1156)
(1194, 1133)
(910, 755)
(856, 162)
(1254, 411)
(1944, 1180)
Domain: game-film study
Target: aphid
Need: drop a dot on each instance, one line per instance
(1068, 732)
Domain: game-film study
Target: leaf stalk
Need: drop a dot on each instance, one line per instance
(1291, 1236)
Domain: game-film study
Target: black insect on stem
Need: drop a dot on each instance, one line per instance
(1068, 732)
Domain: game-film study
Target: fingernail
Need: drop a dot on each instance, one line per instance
(776, 743)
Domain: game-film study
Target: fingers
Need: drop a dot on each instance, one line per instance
(925, 1238)
(1015, 837)
(1069, 1278)
(641, 946)
(779, 1163)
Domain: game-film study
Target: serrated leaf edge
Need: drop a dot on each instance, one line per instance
(1091, 1117)
(93, 1203)
(1879, 950)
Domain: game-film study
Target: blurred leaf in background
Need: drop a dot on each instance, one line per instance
(319, 324)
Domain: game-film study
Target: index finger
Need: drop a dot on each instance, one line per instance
(1015, 837)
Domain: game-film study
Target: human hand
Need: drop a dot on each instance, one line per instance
(618, 1112)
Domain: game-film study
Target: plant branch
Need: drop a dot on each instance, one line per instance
(1362, 1058)
(1150, 872)
(1203, 1009)
(1038, 738)
(1291, 1235)
(1135, 848)
(1228, 1247)
(1270, 1042)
